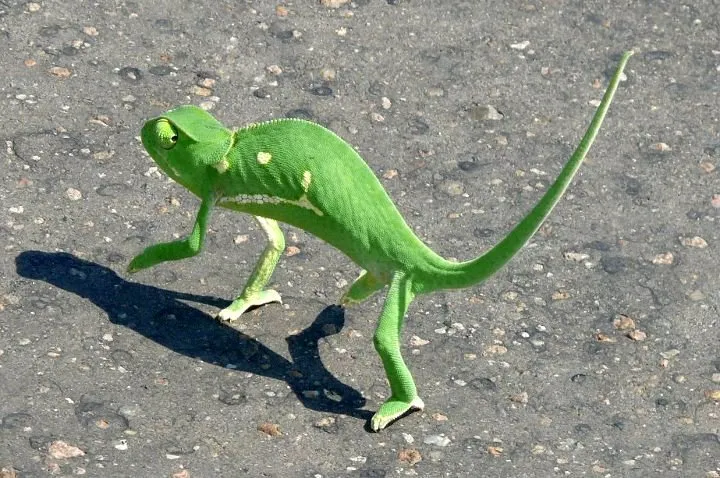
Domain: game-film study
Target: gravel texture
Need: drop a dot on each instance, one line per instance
(596, 352)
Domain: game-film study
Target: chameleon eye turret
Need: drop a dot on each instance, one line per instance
(166, 134)
(302, 174)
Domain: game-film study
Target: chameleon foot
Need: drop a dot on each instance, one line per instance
(240, 305)
(393, 409)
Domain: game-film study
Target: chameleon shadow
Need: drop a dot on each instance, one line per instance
(160, 315)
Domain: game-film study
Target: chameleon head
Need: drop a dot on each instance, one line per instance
(188, 144)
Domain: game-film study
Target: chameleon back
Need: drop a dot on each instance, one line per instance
(305, 175)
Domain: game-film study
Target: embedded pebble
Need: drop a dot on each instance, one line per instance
(521, 397)
(129, 73)
(270, 429)
(601, 337)
(538, 450)
(624, 322)
(520, 46)
(713, 395)
(665, 258)
(660, 147)
(121, 445)
(129, 410)
(485, 113)
(207, 83)
(437, 440)
(495, 349)
(576, 256)
(418, 126)
(327, 424)
(73, 194)
(328, 74)
(410, 456)
(495, 450)
(695, 241)
(261, 93)
(435, 92)
(201, 91)
(416, 341)
(160, 70)
(60, 71)
(322, 91)
(61, 450)
(637, 335)
(707, 167)
(333, 3)
(103, 155)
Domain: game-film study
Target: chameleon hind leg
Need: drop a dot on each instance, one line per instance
(403, 394)
(363, 287)
(254, 293)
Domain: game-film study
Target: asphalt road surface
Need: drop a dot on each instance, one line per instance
(595, 352)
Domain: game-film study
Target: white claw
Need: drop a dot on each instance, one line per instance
(226, 315)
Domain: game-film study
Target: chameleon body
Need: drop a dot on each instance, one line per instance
(302, 174)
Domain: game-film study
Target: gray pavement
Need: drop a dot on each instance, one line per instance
(596, 352)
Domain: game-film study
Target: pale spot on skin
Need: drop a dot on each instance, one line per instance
(264, 157)
(306, 180)
(222, 166)
(303, 202)
(175, 172)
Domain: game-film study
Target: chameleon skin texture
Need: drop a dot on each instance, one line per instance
(300, 173)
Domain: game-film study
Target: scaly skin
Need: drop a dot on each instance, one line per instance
(302, 174)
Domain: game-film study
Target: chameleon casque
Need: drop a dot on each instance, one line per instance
(302, 174)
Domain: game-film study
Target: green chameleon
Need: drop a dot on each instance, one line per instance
(302, 174)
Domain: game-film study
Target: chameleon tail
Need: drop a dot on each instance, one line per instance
(477, 270)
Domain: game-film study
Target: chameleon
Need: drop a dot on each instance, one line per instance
(299, 173)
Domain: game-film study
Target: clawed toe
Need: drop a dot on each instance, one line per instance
(393, 409)
(247, 301)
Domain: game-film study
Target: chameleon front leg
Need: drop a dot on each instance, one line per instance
(176, 250)
(403, 396)
(254, 293)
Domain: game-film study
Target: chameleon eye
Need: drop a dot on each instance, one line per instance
(166, 134)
